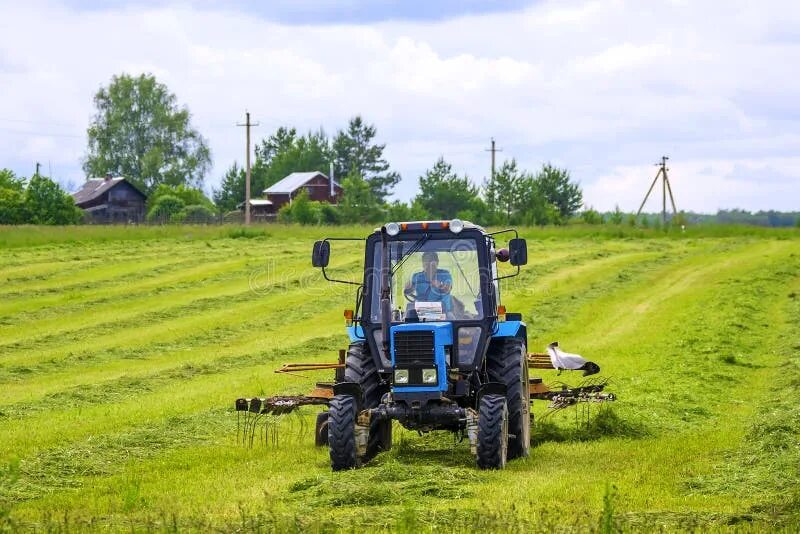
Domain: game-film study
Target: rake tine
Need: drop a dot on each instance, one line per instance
(253, 425)
(274, 430)
(303, 425)
(245, 426)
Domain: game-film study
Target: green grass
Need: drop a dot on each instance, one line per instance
(122, 350)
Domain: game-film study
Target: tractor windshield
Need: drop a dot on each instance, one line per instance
(431, 280)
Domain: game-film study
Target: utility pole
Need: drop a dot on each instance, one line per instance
(666, 188)
(493, 150)
(37, 168)
(247, 124)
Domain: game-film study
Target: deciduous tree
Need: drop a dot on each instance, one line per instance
(140, 132)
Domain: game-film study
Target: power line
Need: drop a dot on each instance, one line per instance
(26, 121)
(41, 134)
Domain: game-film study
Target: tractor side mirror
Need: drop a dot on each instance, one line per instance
(321, 254)
(518, 252)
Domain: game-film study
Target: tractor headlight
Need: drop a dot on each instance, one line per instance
(401, 376)
(456, 225)
(429, 376)
(392, 228)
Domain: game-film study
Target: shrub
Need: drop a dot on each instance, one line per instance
(591, 216)
(195, 214)
(47, 203)
(166, 207)
(12, 206)
(188, 195)
(302, 210)
(616, 216)
(330, 213)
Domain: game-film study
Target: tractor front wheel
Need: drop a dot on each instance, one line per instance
(342, 433)
(492, 432)
(361, 369)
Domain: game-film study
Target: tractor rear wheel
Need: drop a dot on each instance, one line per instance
(507, 363)
(361, 369)
(492, 432)
(342, 432)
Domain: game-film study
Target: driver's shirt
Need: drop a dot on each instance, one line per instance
(425, 292)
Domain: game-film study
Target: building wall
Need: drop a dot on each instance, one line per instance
(125, 204)
(318, 188)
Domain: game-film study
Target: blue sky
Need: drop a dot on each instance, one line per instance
(602, 87)
(326, 12)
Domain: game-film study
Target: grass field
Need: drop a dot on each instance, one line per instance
(122, 350)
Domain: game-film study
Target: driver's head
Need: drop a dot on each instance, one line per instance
(430, 259)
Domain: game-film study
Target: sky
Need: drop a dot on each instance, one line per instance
(603, 88)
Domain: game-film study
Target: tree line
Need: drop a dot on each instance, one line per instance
(139, 131)
(352, 151)
(511, 196)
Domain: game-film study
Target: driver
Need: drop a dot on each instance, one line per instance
(431, 284)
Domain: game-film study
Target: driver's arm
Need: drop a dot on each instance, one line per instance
(443, 282)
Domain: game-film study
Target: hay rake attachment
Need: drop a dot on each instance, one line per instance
(262, 415)
(559, 394)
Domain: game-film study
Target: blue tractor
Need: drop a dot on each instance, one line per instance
(431, 345)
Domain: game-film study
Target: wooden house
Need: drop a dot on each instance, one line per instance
(317, 184)
(111, 200)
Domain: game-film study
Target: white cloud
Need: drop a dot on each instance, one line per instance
(601, 87)
(623, 57)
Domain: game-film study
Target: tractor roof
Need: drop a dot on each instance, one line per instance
(439, 225)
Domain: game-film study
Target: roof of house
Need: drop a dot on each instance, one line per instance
(94, 187)
(295, 181)
(256, 202)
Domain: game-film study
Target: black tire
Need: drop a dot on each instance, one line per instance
(321, 430)
(361, 368)
(492, 432)
(507, 363)
(342, 433)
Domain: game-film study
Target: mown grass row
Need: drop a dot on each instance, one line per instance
(661, 316)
